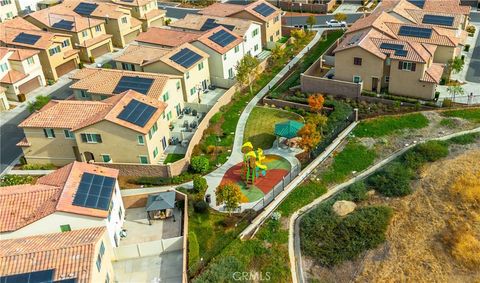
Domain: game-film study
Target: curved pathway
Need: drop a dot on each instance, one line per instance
(294, 249)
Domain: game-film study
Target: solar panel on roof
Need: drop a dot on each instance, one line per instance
(222, 38)
(63, 24)
(210, 24)
(264, 10)
(185, 57)
(43, 276)
(26, 38)
(85, 8)
(391, 46)
(438, 20)
(415, 32)
(94, 191)
(401, 53)
(138, 84)
(137, 113)
(69, 280)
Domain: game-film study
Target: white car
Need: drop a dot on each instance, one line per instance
(334, 23)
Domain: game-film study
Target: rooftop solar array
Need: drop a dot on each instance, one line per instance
(210, 24)
(418, 3)
(391, 46)
(438, 20)
(415, 32)
(94, 191)
(264, 10)
(26, 38)
(137, 113)
(63, 24)
(185, 57)
(43, 276)
(355, 38)
(138, 84)
(402, 53)
(85, 9)
(222, 38)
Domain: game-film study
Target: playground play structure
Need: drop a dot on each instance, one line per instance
(253, 167)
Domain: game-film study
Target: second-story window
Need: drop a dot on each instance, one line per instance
(124, 20)
(30, 61)
(65, 43)
(84, 33)
(407, 66)
(237, 48)
(98, 28)
(91, 138)
(68, 134)
(165, 96)
(200, 66)
(357, 61)
(55, 50)
(140, 140)
(4, 67)
(49, 133)
(178, 85)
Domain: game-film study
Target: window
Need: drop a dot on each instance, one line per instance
(152, 130)
(224, 57)
(277, 33)
(187, 75)
(357, 79)
(255, 47)
(200, 66)
(357, 61)
(65, 228)
(129, 67)
(271, 37)
(230, 73)
(237, 48)
(84, 33)
(387, 79)
(143, 159)
(99, 263)
(30, 61)
(255, 32)
(155, 152)
(164, 143)
(98, 28)
(276, 19)
(54, 50)
(106, 158)
(192, 91)
(140, 140)
(165, 96)
(49, 133)
(84, 94)
(65, 43)
(169, 115)
(120, 212)
(178, 85)
(91, 138)
(9, 15)
(144, 7)
(4, 67)
(102, 249)
(107, 279)
(388, 61)
(406, 66)
(124, 20)
(68, 134)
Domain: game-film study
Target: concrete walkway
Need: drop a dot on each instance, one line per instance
(214, 178)
(294, 249)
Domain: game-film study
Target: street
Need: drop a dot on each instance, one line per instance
(321, 19)
(10, 134)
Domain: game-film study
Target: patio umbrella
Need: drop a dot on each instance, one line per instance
(288, 129)
(163, 200)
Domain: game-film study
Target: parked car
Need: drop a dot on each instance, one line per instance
(334, 23)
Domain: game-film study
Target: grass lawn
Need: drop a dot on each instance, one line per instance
(468, 114)
(261, 125)
(172, 157)
(387, 125)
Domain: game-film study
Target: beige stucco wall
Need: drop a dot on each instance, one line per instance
(372, 66)
(107, 259)
(407, 83)
(119, 30)
(444, 53)
(3, 101)
(8, 11)
(139, 13)
(271, 30)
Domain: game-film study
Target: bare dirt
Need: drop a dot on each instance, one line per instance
(417, 248)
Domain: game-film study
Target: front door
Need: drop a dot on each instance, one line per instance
(89, 156)
(204, 84)
(375, 84)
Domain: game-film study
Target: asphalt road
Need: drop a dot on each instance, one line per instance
(10, 134)
(321, 19)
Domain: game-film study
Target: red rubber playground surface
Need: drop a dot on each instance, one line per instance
(277, 168)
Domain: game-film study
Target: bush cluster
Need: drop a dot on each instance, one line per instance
(12, 180)
(47, 166)
(162, 181)
(200, 164)
(393, 181)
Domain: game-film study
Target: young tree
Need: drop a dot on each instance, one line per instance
(229, 194)
(39, 102)
(299, 35)
(455, 66)
(319, 120)
(340, 17)
(247, 70)
(455, 90)
(310, 137)
(315, 101)
(277, 53)
(311, 21)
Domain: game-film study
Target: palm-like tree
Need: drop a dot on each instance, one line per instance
(455, 90)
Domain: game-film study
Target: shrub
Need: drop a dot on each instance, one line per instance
(39, 102)
(432, 150)
(393, 181)
(466, 48)
(465, 139)
(221, 270)
(448, 122)
(200, 206)
(447, 102)
(357, 192)
(200, 164)
(199, 184)
(12, 180)
(47, 166)
(470, 29)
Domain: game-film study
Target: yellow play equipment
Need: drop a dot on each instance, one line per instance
(252, 163)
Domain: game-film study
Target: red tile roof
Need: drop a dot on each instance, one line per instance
(166, 37)
(71, 254)
(12, 77)
(214, 46)
(225, 9)
(433, 74)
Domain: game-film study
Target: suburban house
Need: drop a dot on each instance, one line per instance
(166, 38)
(75, 256)
(144, 10)
(258, 11)
(4, 105)
(186, 61)
(44, 4)
(401, 67)
(88, 34)
(74, 197)
(129, 127)
(98, 84)
(249, 30)
(26, 6)
(20, 71)
(118, 20)
(225, 49)
(56, 54)
(8, 10)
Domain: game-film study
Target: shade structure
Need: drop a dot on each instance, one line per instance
(160, 201)
(288, 129)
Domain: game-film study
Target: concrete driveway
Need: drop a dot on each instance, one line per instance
(347, 8)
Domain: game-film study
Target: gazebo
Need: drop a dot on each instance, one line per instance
(160, 206)
(288, 129)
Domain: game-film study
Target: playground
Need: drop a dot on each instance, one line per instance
(257, 174)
